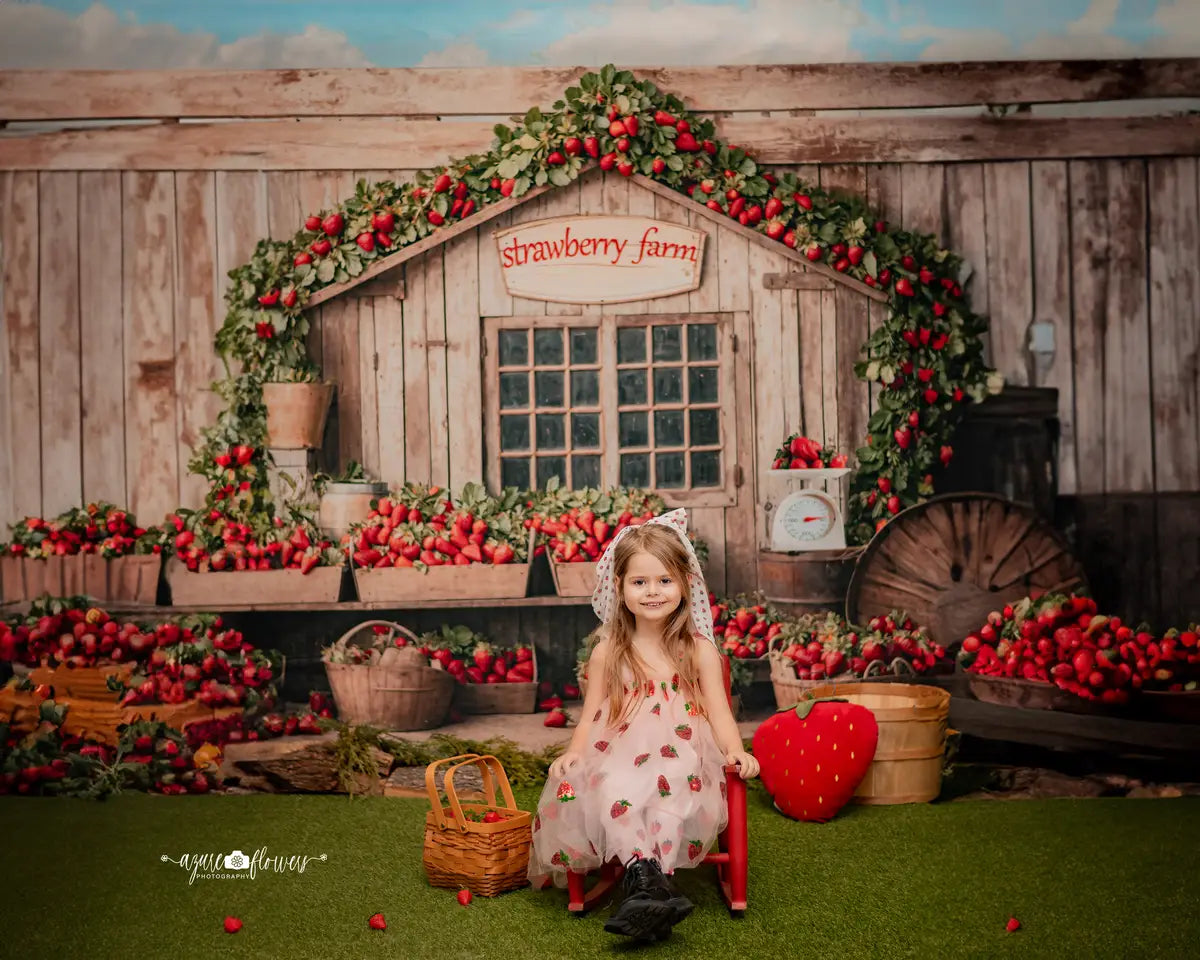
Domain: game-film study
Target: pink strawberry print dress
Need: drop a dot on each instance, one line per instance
(651, 787)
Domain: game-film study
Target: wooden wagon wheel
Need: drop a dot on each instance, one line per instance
(950, 561)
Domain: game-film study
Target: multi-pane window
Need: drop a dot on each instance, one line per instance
(641, 401)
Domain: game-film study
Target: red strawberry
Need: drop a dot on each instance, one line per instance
(694, 849)
(1013, 925)
(321, 247)
(312, 223)
(555, 718)
(625, 168)
(664, 788)
(683, 731)
(838, 740)
(640, 759)
(804, 200)
(464, 897)
(507, 187)
(232, 924)
(572, 146)
(366, 241)
(565, 792)
(775, 229)
(601, 745)
(669, 752)
(592, 146)
(893, 504)
(659, 165)
(376, 922)
(695, 784)
(332, 224)
(556, 159)
(903, 287)
(442, 183)
(686, 142)
(302, 258)
(619, 808)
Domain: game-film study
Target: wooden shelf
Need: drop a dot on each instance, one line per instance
(350, 606)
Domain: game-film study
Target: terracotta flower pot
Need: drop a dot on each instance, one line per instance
(296, 413)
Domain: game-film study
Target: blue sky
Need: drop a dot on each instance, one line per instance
(399, 33)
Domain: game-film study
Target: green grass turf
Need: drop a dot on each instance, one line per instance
(1087, 878)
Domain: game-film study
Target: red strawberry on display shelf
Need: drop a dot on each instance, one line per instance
(813, 756)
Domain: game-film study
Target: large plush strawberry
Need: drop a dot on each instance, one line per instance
(814, 755)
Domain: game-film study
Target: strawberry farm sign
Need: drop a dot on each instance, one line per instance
(599, 259)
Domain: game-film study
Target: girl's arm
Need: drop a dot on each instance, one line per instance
(716, 705)
(591, 703)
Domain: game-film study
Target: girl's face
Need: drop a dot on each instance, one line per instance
(649, 590)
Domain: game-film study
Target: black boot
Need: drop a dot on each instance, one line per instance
(651, 905)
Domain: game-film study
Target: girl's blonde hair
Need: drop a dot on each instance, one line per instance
(664, 545)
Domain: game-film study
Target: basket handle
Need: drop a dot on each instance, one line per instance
(489, 789)
(431, 787)
(394, 628)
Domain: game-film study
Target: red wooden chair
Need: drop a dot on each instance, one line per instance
(731, 856)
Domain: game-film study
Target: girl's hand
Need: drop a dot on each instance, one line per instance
(564, 762)
(747, 764)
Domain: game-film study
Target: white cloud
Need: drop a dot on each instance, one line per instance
(679, 33)
(459, 54)
(1179, 21)
(36, 36)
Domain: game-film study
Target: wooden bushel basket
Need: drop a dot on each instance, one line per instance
(478, 581)
(486, 858)
(573, 579)
(404, 695)
(912, 723)
(128, 579)
(479, 698)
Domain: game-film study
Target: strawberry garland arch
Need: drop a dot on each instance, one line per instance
(927, 356)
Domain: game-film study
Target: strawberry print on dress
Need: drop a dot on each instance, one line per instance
(630, 796)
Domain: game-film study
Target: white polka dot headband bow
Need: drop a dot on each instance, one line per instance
(606, 602)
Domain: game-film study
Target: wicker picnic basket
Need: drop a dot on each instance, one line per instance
(486, 858)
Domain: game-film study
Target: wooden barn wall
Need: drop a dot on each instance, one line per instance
(113, 285)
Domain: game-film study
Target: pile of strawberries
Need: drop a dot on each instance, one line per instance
(824, 646)
(744, 628)
(97, 528)
(469, 658)
(576, 525)
(420, 526)
(803, 453)
(1064, 640)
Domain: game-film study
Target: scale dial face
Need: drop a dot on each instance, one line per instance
(810, 516)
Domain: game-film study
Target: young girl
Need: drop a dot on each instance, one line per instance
(641, 780)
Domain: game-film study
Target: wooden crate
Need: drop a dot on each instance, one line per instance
(130, 579)
(573, 579)
(478, 581)
(237, 587)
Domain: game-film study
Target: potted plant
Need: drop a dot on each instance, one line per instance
(346, 499)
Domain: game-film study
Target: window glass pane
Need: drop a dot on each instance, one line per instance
(635, 469)
(514, 433)
(668, 428)
(548, 467)
(514, 391)
(547, 347)
(585, 388)
(702, 385)
(702, 341)
(514, 473)
(585, 472)
(706, 427)
(631, 345)
(548, 388)
(634, 429)
(584, 347)
(706, 468)
(514, 348)
(631, 387)
(668, 343)
(668, 385)
(551, 431)
(585, 430)
(668, 470)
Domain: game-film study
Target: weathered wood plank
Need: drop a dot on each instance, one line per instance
(709, 524)
(733, 260)
(967, 233)
(791, 386)
(766, 317)
(853, 396)
(494, 300)
(424, 91)
(812, 368)
(1175, 323)
(435, 332)
(831, 373)
(342, 363)
(352, 143)
(706, 298)
(368, 386)
(1010, 277)
(1051, 257)
(198, 316)
(389, 389)
(464, 391)
(527, 213)
(741, 531)
(885, 195)
(151, 418)
(1129, 456)
(560, 202)
(641, 204)
(591, 201)
(668, 211)
(59, 341)
(22, 495)
(1088, 183)
(417, 455)
(923, 199)
(103, 407)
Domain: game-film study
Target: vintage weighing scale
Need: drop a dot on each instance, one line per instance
(808, 518)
